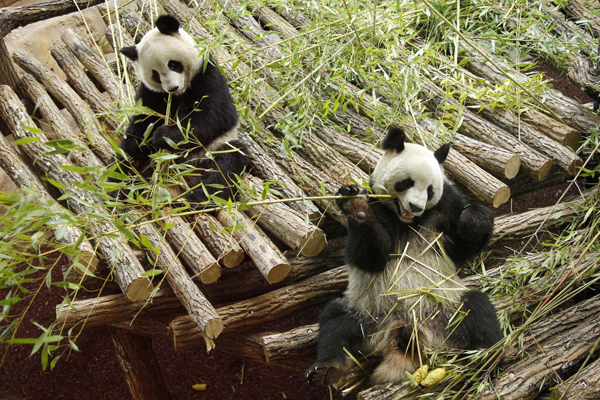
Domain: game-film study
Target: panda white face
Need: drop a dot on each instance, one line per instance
(167, 57)
(413, 175)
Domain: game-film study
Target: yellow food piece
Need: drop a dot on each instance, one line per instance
(199, 387)
(420, 373)
(433, 377)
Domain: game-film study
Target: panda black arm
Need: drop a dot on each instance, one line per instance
(468, 226)
(371, 238)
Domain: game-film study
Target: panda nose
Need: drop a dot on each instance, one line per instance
(173, 89)
(415, 209)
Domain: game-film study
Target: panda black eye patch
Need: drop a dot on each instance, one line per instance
(175, 66)
(429, 192)
(155, 76)
(404, 185)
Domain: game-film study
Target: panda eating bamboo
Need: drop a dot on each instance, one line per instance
(203, 122)
(403, 290)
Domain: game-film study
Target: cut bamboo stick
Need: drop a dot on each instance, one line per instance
(124, 264)
(221, 244)
(497, 161)
(286, 224)
(191, 250)
(199, 309)
(93, 63)
(245, 315)
(266, 257)
(91, 133)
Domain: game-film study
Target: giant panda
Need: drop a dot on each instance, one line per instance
(403, 289)
(169, 63)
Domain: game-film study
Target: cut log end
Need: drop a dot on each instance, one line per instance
(544, 172)
(512, 167)
(233, 258)
(572, 140)
(313, 243)
(574, 166)
(501, 197)
(278, 273)
(139, 289)
(211, 274)
(213, 328)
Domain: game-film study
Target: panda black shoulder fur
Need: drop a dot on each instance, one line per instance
(169, 63)
(396, 256)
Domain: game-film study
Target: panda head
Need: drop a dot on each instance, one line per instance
(410, 173)
(167, 57)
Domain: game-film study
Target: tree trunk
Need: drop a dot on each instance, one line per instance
(94, 64)
(191, 250)
(124, 264)
(284, 223)
(247, 314)
(139, 363)
(69, 98)
(221, 244)
(497, 161)
(199, 309)
(266, 257)
(78, 79)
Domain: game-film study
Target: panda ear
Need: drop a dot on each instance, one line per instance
(167, 25)
(129, 52)
(393, 140)
(441, 153)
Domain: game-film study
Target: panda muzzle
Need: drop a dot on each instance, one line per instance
(403, 212)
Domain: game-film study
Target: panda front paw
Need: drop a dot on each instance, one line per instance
(162, 132)
(325, 373)
(476, 224)
(358, 207)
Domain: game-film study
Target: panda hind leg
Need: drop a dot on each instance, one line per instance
(339, 331)
(479, 329)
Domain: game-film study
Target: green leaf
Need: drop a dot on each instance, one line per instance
(153, 272)
(323, 191)
(26, 140)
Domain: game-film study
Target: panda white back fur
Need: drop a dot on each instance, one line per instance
(169, 64)
(402, 281)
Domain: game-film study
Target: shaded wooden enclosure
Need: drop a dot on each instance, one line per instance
(496, 156)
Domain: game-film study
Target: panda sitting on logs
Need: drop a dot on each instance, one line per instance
(201, 106)
(403, 290)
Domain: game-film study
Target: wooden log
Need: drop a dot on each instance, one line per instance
(486, 188)
(558, 356)
(117, 309)
(581, 13)
(272, 21)
(584, 75)
(123, 67)
(191, 249)
(294, 344)
(390, 391)
(266, 168)
(156, 326)
(91, 133)
(94, 63)
(516, 226)
(560, 155)
(553, 129)
(123, 263)
(561, 27)
(533, 162)
(139, 363)
(54, 118)
(568, 110)
(23, 177)
(286, 224)
(269, 260)
(79, 81)
(14, 17)
(221, 244)
(497, 161)
(273, 305)
(199, 309)
(135, 26)
(583, 386)
(8, 75)
(523, 184)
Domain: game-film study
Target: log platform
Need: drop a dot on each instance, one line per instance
(167, 261)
